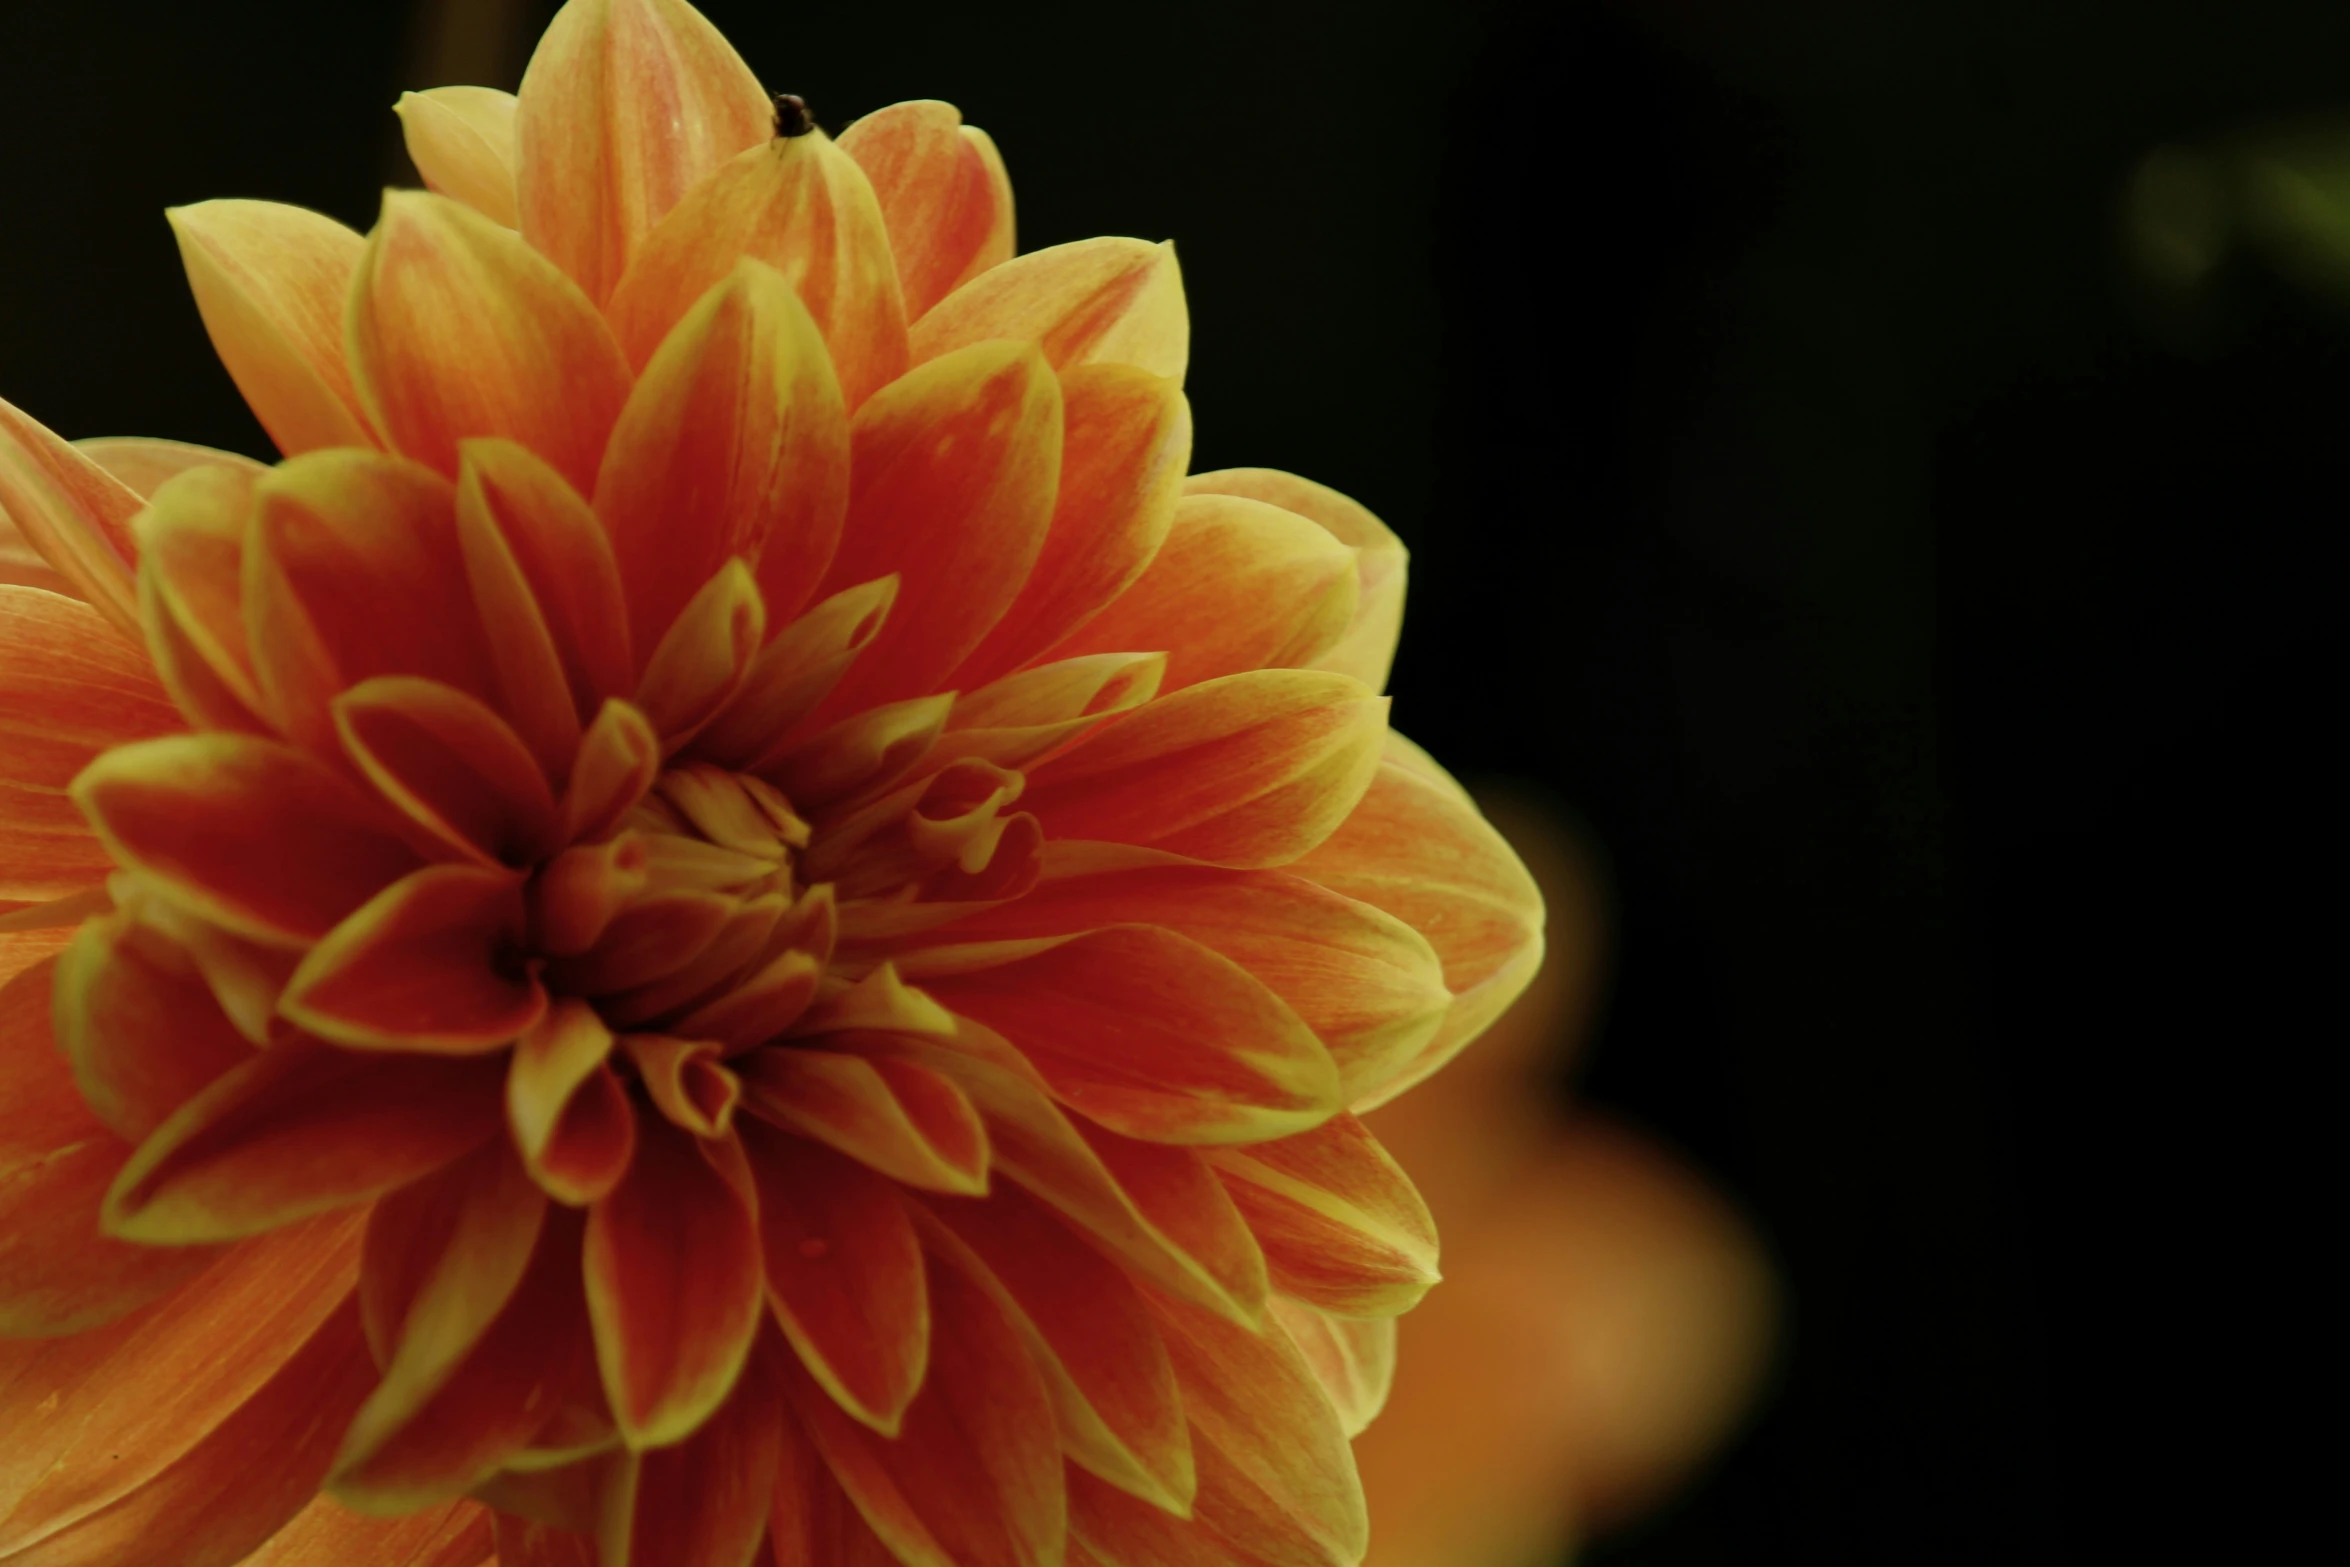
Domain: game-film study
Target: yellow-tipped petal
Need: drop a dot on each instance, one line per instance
(949, 216)
(1097, 300)
(271, 282)
(457, 328)
(1367, 648)
(461, 140)
(803, 207)
(626, 105)
(73, 512)
(735, 443)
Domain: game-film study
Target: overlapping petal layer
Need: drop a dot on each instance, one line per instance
(821, 908)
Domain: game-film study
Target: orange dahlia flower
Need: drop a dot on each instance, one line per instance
(726, 915)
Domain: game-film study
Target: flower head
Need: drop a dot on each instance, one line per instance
(726, 914)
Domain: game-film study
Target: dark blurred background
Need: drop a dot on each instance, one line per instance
(1859, 458)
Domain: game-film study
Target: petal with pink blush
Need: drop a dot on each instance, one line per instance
(1341, 1224)
(73, 512)
(457, 328)
(1238, 585)
(802, 207)
(949, 218)
(956, 467)
(1116, 301)
(1150, 1034)
(1366, 650)
(626, 105)
(271, 282)
(145, 463)
(69, 689)
(461, 140)
(1352, 1357)
(549, 593)
(735, 443)
(1249, 771)
(1417, 848)
(1126, 438)
(191, 595)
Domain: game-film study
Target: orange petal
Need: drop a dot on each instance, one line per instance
(619, 757)
(484, 1347)
(974, 1477)
(89, 1419)
(247, 832)
(139, 1025)
(704, 1501)
(858, 757)
(75, 513)
(803, 207)
(451, 765)
(734, 443)
(245, 977)
(810, 1519)
(1126, 438)
(1417, 848)
(903, 1120)
(145, 462)
(300, 1129)
(191, 595)
(1022, 718)
(1232, 1523)
(352, 568)
(705, 656)
(458, 328)
(1238, 585)
(1248, 771)
(461, 140)
(1341, 1224)
(1368, 985)
(1098, 300)
(1352, 1357)
(797, 670)
(216, 1505)
(1088, 1331)
(686, 1082)
(1367, 648)
(570, 1115)
(271, 283)
(549, 595)
(956, 469)
(673, 1282)
(844, 1275)
(626, 105)
(1260, 1416)
(21, 565)
(1150, 1034)
(948, 218)
(455, 1534)
(69, 689)
(1159, 1210)
(647, 941)
(433, 963)
(58, 1273)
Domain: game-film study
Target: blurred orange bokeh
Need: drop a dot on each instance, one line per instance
(1605, 1317)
